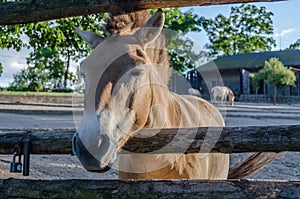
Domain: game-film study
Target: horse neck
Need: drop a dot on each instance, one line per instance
(158, 55)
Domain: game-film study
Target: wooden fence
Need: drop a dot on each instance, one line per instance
(42, 10)
(230, 140)
(223, 189)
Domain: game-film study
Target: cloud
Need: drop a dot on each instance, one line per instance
(12, 63)
(284, 32)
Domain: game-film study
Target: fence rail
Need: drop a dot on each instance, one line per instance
(20, 188)
(42, 10)
(230, 140)
(224, 140)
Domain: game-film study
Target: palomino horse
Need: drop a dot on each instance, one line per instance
(126, 78)
(222, 92)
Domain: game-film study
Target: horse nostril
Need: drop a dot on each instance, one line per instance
(74, 148)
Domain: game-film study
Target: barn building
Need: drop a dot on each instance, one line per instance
(234, 72)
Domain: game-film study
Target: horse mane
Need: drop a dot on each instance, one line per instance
(126, 21)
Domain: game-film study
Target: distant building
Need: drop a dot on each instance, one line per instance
(234, 72)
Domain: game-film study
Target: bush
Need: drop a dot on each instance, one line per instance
(35, 86)
(62, 90)
(17, 88)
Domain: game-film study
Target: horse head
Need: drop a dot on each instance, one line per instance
(117, 96)
(231, 97)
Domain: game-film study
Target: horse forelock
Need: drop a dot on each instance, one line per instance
(121, 22)
(127, 21)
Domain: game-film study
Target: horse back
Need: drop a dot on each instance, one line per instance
(198, 112)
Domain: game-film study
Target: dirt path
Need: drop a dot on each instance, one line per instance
(66, 167)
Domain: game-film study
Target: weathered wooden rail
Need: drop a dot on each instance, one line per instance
(235, 139)
(42, 10)
(224, 140)
(229, 189)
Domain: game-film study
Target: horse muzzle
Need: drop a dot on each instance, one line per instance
(88, 161)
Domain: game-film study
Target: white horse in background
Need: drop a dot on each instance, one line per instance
(195, 92)
(222, 92)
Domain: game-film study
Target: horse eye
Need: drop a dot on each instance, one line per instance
(139, 53)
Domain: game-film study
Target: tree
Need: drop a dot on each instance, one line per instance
(295, 45)
(247, 29)
(21, 81)
(46, 66)
(276, 74)
(180, 48)
(58, 36)
(53, 42)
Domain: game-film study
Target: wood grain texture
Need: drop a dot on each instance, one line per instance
(234, 189)
(43, 10)
(184, 140)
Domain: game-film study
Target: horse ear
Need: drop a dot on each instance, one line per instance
(151, 29)
(91, 38)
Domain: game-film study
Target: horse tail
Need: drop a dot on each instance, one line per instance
(252, 164)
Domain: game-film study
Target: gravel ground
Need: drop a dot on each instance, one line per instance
(68, 167)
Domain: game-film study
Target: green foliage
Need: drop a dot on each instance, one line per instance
(182, 22)
(247, 29)
(20, 82)
(7, 92)
(47, 64)
(177, 25)
(62, 90)
(255, 79)
(276, 74)
(295, 46)
(60, 36)
(182, 55)
(11, 37)
(54, 44)
(35, 86)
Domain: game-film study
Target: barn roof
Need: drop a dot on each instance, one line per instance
(255, 60)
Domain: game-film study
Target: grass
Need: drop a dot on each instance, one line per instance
(37, 93)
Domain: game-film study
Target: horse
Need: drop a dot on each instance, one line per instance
(222, 92)
(126, 77)
(195, 92)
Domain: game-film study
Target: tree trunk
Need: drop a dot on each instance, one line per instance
(67, 71)
(275, 95)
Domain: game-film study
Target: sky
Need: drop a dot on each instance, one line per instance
(286, 21)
